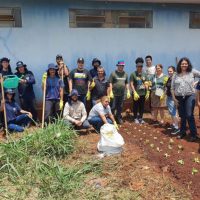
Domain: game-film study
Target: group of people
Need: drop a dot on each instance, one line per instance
(66, 93)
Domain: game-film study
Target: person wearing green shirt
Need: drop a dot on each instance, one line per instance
(138, 84)
(118, 85)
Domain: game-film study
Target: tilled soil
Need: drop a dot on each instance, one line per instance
(180, 159)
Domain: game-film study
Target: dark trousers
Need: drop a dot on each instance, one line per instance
(29, 104)
(117, 106)
(52, 110)
(97, 122)
(65, 98)
(82, 98)
(138, 107)
(85, 125)
(19, 123)
(186, 113)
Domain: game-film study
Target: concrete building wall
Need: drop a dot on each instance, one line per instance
(45, 32)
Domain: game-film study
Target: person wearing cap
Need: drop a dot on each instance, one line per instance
(54, 93)
(100, 86)
(63, 72)
(95, 63)
(101, 114)
(80, 79)
(75, 112)
(118, 85)
(17, 119)
(5, 68)
(139, 86)
(25, 89)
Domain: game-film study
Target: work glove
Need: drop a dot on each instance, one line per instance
(147, 95)
(88, 96)
(116, 126)
(92, 84)
(111, 94)
(135, 96)
(162, 97)
(128, 95)
(44, 77)
(165, 80)
(61, 104)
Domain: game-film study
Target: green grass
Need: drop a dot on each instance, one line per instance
(30, 167)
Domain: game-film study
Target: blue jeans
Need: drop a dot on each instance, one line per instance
(186, 113)
(85, 125)
(52, 110)
(117, 105)
(19, 123)
(97, 122)
(171, 106)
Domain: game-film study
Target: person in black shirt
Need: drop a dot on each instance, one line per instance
(5, 68)
(95, 63)
(100, 86)
(170, 102)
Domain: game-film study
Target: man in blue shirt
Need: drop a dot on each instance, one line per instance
(95, 63)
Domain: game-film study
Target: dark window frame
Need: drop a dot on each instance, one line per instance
(110, 18)
(14, 19)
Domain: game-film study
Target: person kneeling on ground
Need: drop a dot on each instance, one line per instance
(75, 112)
(101, 114)
(17, 119)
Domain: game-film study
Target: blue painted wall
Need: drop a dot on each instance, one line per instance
(46, 32)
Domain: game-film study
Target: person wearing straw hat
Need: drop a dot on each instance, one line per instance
(118, 85)
(25, 89)
(54, 93)
(75, 112)
(17, 119)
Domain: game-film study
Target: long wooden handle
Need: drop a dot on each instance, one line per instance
(43, 102)
(4, 105)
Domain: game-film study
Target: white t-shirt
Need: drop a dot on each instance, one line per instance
(99, 109)
(150, 70)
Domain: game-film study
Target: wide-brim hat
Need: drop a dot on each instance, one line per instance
(20, 64)
(120, 63)
(4, 59)
(52, 66)
(10, 91)
(74, 92)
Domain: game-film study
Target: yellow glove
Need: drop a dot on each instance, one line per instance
(116, 126)
(111, 94)
(147, 95)
(150, 84)
(162, 97)
(88, 96)
(128, 95)
(44, 77)
(61, 104)
(135, 96)
(165, 80)
(92, 84)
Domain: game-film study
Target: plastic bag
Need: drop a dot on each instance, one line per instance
(111, 141)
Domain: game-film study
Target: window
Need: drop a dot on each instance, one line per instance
(194, 20)
(10, 17)
(110, 19)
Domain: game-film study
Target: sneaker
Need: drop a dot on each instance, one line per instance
(193, 139)
(119, 121)
(136, 121)
(142, 121)
(181, 136)
(175, 131)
